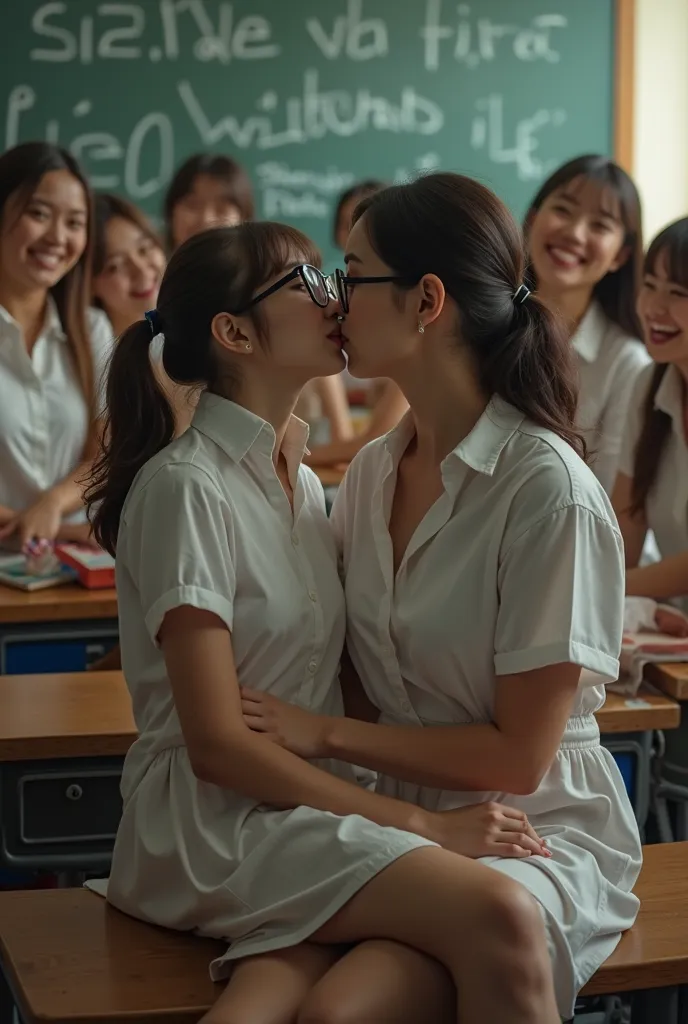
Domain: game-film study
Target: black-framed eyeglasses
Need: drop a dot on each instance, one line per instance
(320, 288)
(343, 285)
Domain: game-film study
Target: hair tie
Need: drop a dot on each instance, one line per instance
(153, 318)
(519, 296)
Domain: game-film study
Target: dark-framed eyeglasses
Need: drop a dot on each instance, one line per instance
(320, 288)
(343, 285)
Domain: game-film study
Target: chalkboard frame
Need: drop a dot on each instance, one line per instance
(624, 83)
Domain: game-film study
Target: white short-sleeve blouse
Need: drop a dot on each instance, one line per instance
(518, 565)
(44, 419)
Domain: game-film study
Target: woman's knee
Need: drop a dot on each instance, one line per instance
(322, 1007)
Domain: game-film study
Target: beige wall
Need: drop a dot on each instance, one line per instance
(661, 110)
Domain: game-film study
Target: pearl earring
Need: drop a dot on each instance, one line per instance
(421, 327)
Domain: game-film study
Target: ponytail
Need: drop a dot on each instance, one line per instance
(139, 423)
(654, 435)
(531, 367)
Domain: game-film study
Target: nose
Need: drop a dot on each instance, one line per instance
(57, 231)
(657, 306)
(577, 230)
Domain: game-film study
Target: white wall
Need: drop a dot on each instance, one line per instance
(661, 110)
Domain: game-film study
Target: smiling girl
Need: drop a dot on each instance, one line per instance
(128, 264)
(584, 236)
(53, 348)
(651, 491)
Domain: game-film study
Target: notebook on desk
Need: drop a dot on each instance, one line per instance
(13, 574)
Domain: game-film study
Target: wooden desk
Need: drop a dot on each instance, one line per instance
(670, 678)
(55, 630)
(69, 956)
(654, 953)
(645, 712)
(62, 744)
(628, 726)
(56, 604)
(78, 714)
(330, 476)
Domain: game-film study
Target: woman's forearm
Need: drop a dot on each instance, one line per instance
(69, 492)
(668, 578)
(253, 765)
(459, 757)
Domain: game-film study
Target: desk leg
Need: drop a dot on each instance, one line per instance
(656, 1006)
(6, 1000)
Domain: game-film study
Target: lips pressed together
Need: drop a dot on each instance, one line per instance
(337, 336)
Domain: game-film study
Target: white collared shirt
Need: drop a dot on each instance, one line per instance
(43, 414)
(207, 523)
(518, 565)
(609, 362)
(666, 506)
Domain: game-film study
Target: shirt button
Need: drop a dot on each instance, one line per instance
(405, 706)
(313, 596)
(312, 665)
(295, 540)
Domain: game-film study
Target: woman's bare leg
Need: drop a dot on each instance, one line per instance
(382, 982)
(270, 988)
(486, 929)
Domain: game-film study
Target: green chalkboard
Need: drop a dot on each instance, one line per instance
(311, 95)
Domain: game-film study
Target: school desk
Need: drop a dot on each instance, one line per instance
(63, 738)
(671, 765)
(671, 678)
(628, 727)
(59, 629)
(330, 476)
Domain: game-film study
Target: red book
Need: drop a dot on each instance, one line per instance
(94, 567)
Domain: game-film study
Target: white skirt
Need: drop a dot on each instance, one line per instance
(584, 890)
(194, 857)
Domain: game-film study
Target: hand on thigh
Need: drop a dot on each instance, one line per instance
(382, 982)
(270, 988)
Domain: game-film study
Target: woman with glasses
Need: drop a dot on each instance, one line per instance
(483, 570)
(227, 576)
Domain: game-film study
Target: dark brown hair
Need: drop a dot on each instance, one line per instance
(216, 271)
(360, 190)
(454, 227)
(106, 208)
(21, 170)
(216, 165)
(671, 245)
(617, 291)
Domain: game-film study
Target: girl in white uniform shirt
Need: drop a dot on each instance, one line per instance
(53, 348)
(585, 242)
(482, 562)
(651, 491)
(226, 573)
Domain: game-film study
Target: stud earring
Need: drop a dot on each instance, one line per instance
(248, 347)
(421, 327)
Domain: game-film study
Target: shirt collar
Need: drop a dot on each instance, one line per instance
(237, 431)
(669, 397)
(587, 339)
(480, 450)
(52, 325)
